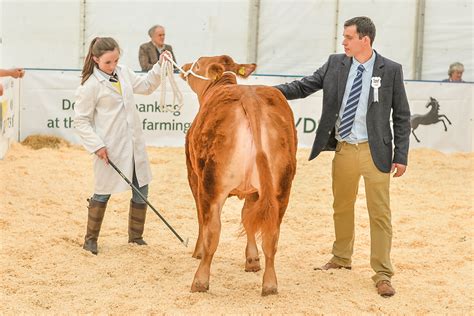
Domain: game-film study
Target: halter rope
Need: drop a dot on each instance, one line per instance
(167, 72)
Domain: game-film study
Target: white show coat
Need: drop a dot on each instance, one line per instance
(104, 117)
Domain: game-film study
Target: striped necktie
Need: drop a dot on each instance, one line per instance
(351, 105)
(114, 78)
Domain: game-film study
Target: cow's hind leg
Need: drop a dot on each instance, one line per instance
(252, 261)
(269, 245)
(270, 236)
(211, 229)
(194, 183)
(197, 253)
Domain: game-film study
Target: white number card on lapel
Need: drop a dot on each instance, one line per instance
(376, 82)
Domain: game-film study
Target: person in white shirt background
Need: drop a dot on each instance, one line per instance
(108, 124)
(14, 72)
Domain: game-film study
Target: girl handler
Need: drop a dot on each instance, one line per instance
(107, 122)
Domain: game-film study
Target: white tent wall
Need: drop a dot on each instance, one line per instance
(193, 28)
(41, 33)
(448, 38)
(294, 37)
(395, 28)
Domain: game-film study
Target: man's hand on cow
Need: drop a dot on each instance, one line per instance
(162, 56)
(400, 169)
(102, 154)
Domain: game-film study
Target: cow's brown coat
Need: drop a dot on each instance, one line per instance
(242, 142)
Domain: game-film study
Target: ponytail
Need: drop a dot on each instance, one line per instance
(97, 48)
(88, 63)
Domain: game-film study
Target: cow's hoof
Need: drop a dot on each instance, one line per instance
(252, 265)
(199, 287)
(269, 291)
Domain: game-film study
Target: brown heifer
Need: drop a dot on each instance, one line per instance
(242, 142)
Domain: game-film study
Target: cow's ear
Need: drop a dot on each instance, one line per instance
(244, 70)
(214, 71)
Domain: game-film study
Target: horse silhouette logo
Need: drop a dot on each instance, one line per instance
(429, 118)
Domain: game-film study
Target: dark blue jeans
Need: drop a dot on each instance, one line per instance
(135, 197)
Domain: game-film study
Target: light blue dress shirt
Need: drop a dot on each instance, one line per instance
(359, 129)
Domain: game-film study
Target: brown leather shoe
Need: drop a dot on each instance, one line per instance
(385, 289)
(332, 265)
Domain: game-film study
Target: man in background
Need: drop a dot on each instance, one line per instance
(150, 52)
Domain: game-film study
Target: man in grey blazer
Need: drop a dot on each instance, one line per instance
(361, 89)
(150, 52)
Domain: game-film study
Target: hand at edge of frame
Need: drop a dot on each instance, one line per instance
(17, 72)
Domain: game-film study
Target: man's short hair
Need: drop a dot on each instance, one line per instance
(457, 66)
(364, 27)
(153, 28)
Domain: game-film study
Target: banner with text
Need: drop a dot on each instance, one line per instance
(47, 107)
(9, 115)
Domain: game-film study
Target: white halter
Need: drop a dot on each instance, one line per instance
(191, 72)
(167, 72)
(187, 73)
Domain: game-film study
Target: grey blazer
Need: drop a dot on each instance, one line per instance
(332, 78)
(148, 55)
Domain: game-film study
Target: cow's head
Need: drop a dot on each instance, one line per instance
(207, 70)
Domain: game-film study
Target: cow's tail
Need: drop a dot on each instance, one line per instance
(264, 216)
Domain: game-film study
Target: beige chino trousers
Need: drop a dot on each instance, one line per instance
(349, 164)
